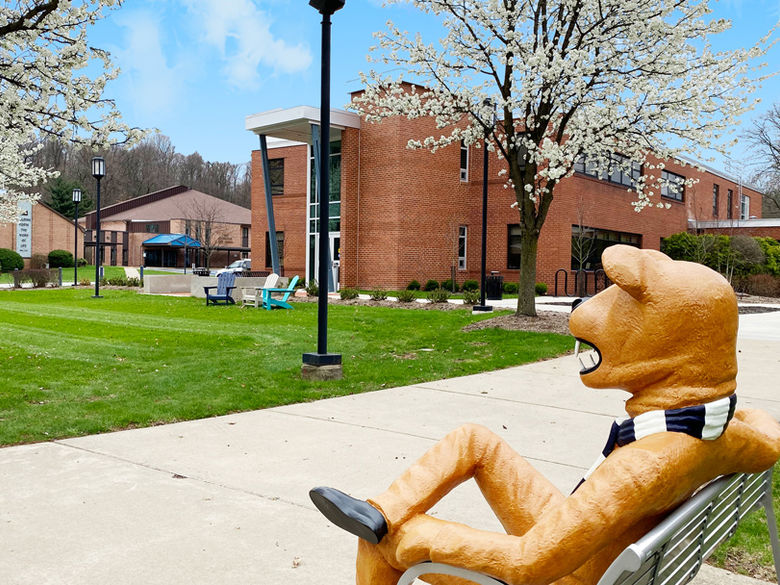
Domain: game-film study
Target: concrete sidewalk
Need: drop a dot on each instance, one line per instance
(225, 500)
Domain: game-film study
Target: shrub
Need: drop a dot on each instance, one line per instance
(85, 282)
(511, 288)
(439, 295)
(406, 296)
(470, 285)
(38, 261)
(10, 260)
(115, 281)
(762, 285)
(540, 289)
(82, 262)
(431, 285)
(348, 294)
(378, 294)
(134, 281)
(450, 285)
(771, 249)
(39, 277)
(60, 259)
(312, 289)
(470, 297)
(414, 285)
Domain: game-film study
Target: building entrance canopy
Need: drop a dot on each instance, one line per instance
(172, 240)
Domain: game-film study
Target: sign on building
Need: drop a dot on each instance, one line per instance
(24, 229)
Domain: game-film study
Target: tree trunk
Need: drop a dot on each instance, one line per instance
(526, 297)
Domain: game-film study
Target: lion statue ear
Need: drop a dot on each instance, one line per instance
(631, 268)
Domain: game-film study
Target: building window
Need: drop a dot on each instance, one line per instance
(744, 207)
(621, 170)
(513, 246)
(276, 175)
(730, 204)
(187, 228)
(334, 194)
(672, 186)
(279, 248)
(464, 161)
(588, 243)
(462, 231)
(715, 200)
(244, 237)
(153, 228)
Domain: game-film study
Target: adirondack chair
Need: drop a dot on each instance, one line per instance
(269, 302)
(253, 296)
(225, 285)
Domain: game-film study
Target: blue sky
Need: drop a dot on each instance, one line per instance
(194, 69)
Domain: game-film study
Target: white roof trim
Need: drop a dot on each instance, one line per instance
(294, 124)
(736, 223)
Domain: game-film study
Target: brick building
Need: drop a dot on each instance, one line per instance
(39, 230)
(399, 214)
(130, 230)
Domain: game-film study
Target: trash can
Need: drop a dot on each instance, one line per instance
(494, 287)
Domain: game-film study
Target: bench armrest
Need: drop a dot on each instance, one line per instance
(428, 568)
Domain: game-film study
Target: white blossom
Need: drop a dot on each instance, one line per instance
(45, 90)
(570, 79)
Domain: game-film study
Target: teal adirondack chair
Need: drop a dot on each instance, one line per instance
(225, 286)
(269, 302)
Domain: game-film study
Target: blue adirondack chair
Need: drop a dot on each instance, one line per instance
(269, 302)
(225, 286)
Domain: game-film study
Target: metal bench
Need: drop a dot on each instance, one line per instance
(672, 552)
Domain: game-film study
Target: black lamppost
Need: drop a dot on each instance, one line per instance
(98, 171)
(482, 307)
(76, 200)
(323, 364)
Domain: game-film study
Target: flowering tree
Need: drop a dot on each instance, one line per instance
(764, 137)
(571, 79)
(44, 91)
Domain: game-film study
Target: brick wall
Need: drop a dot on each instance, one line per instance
(289, 209)
(401, 210)
(50, 231)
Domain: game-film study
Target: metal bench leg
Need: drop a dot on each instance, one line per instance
(772, 523)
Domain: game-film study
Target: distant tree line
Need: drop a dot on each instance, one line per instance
(151, 165)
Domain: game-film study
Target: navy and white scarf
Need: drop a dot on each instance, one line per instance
(703, 421)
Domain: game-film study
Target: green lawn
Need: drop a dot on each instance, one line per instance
(75, 365)
(67, 274)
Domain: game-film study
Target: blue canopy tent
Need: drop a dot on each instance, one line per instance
(169, 250)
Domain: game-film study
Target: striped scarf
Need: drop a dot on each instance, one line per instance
(704, 421)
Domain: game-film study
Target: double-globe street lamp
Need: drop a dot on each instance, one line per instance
(322, 359)
(76, 200)
(98, 171)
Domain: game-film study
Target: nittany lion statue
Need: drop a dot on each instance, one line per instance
(666, 332)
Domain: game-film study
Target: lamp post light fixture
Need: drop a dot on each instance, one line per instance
(76, 200)
(324, 365)
(483, 307)
(98, 171)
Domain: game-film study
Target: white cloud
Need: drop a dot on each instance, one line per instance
(155, 86)
(242, 34)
